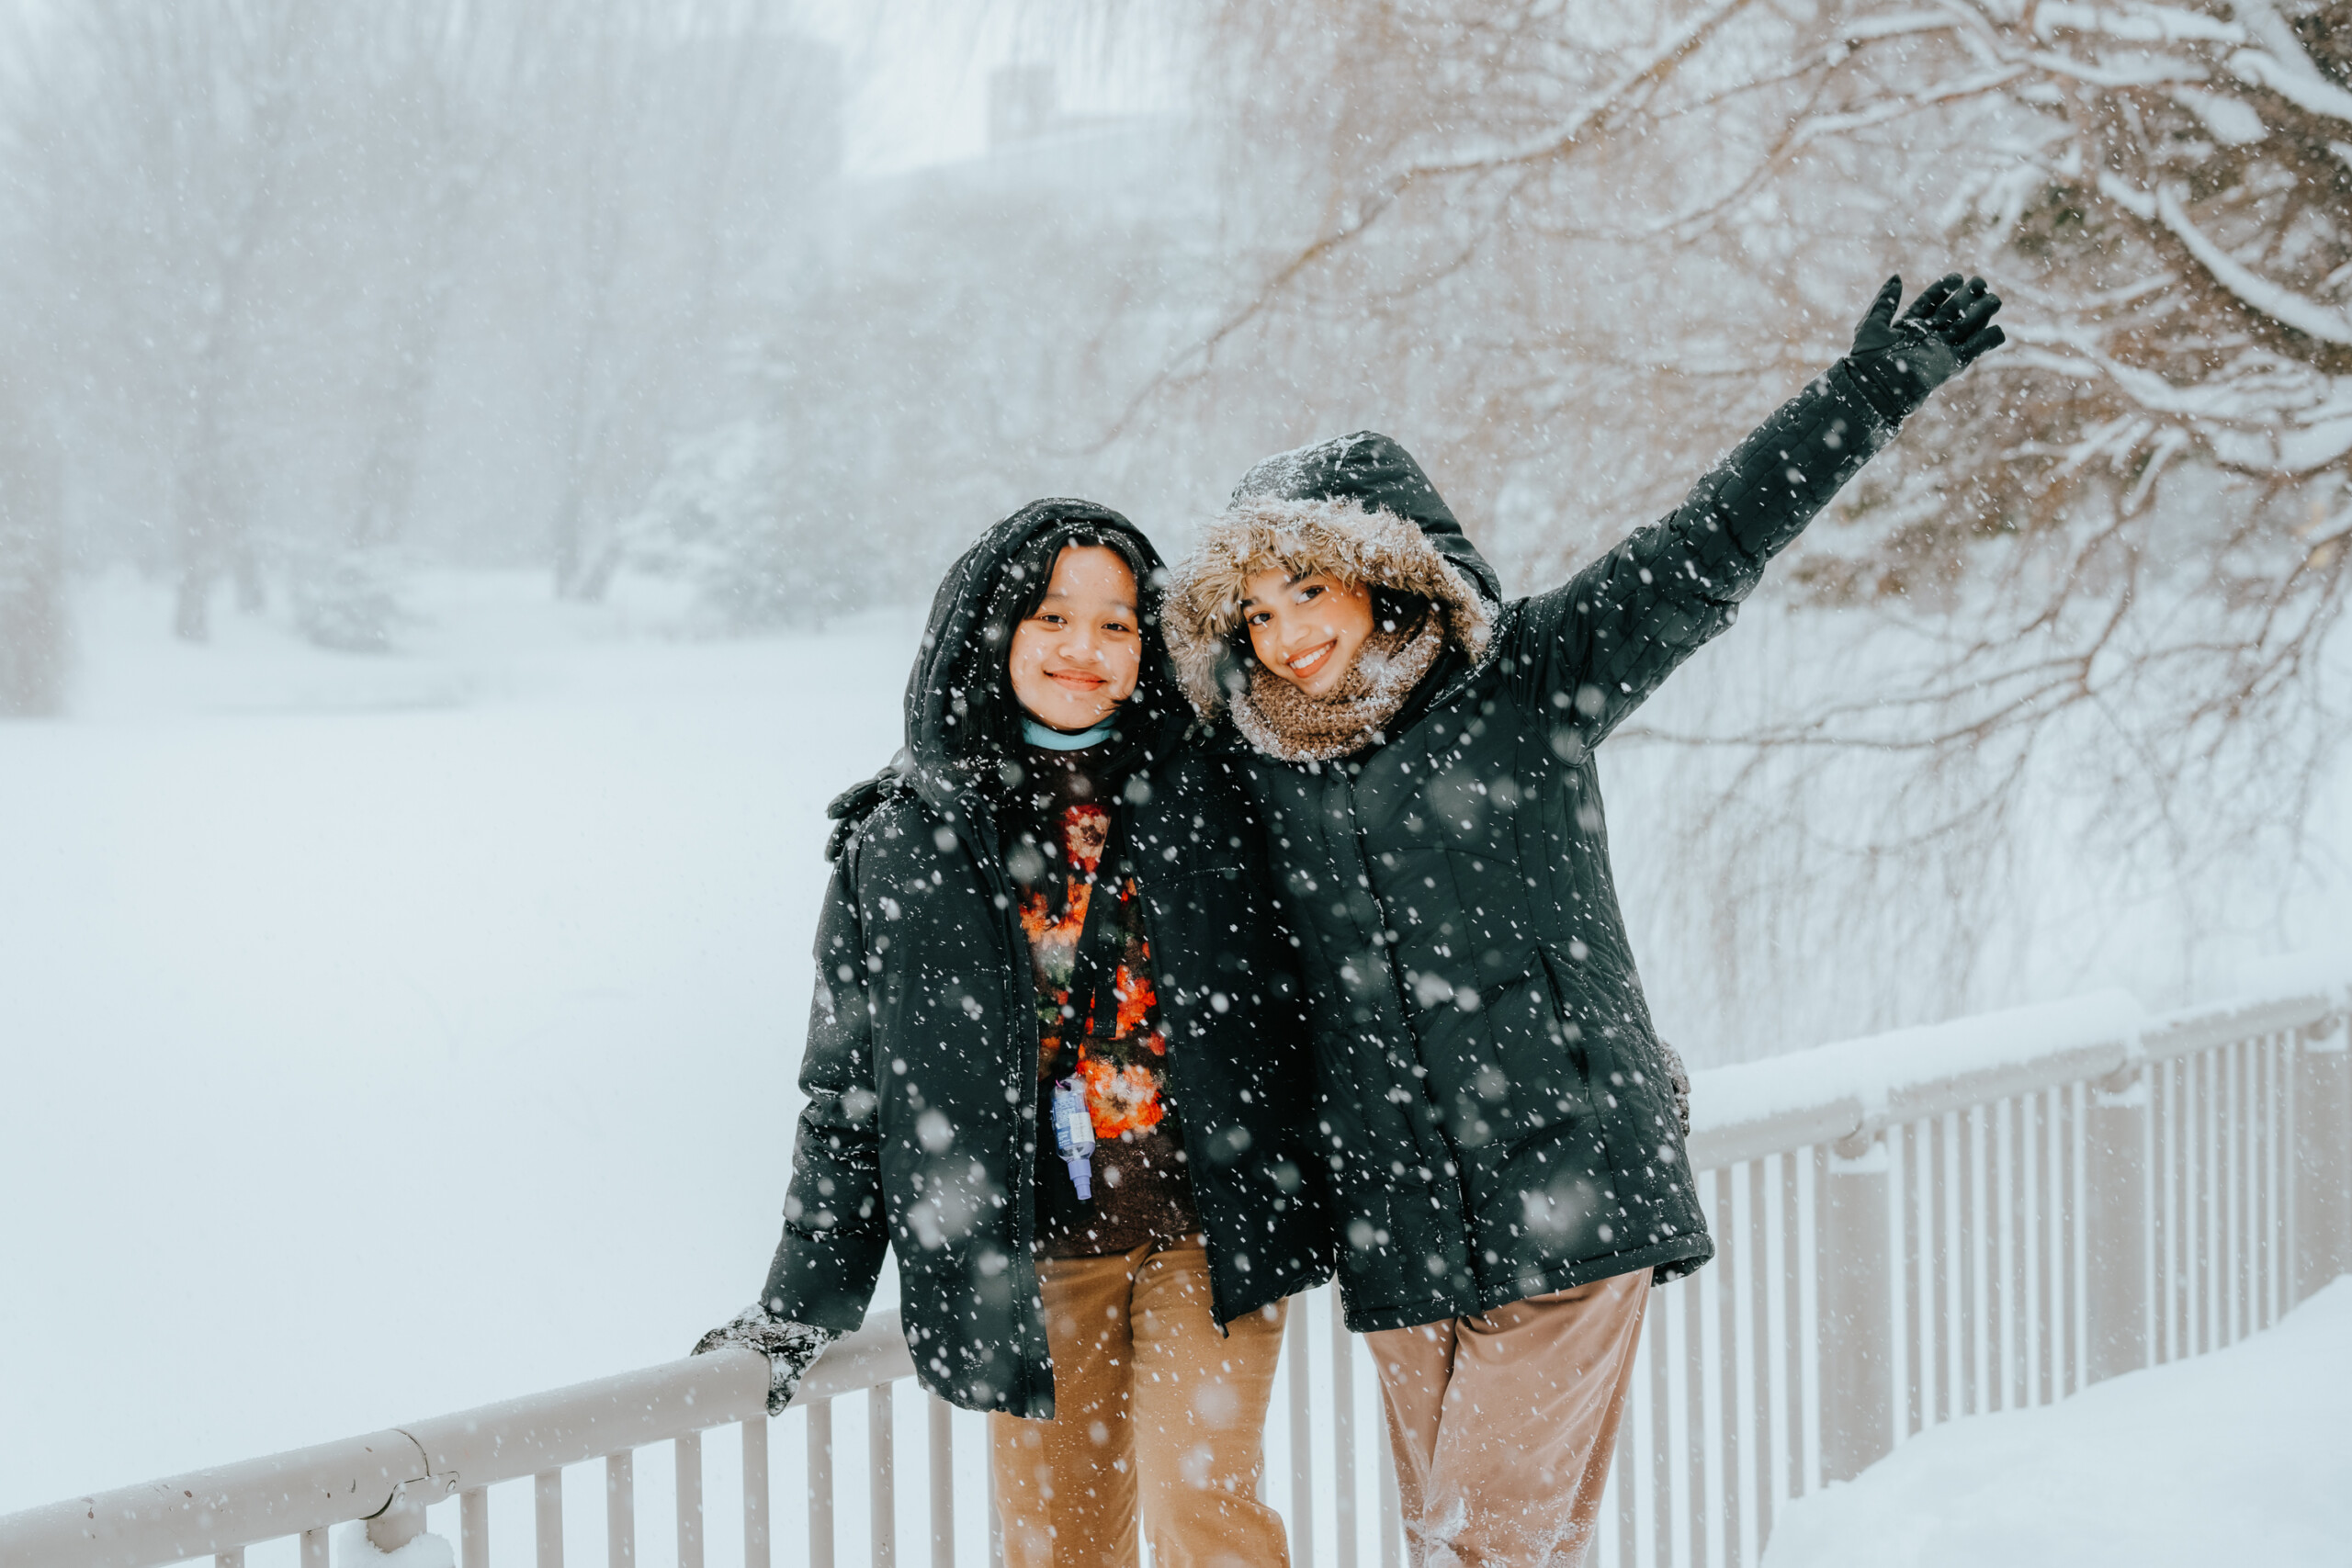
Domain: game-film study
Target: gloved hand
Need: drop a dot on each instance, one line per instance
(1899, 362)
(1677, 1078)
(791, 1348)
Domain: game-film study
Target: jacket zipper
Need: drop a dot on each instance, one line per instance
(1445, 1156)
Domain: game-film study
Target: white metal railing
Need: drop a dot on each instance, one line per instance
(1971, 1217)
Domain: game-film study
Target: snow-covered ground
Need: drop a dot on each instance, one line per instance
(386, 1035)
(2240, 1457)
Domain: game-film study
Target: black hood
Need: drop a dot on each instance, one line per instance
(945, 753)
(1374, 471)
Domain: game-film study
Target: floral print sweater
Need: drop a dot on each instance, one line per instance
(1097, 1019)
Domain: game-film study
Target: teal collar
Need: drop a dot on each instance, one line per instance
(1051, 739)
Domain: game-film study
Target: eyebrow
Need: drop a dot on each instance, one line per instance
(1293, 580)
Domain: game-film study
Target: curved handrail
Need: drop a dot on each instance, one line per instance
(1852, 1089)
(226, 1507)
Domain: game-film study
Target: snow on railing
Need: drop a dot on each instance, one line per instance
(1974, 1217)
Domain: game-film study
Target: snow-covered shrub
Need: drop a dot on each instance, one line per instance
(349, 600)
(743, 512)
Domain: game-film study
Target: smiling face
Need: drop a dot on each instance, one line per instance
(1080, 653)
(1306, 630)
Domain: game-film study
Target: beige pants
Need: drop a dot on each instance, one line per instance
(1503, 1425)
(1150, 1403)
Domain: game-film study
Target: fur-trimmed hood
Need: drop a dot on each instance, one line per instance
(1358, 508)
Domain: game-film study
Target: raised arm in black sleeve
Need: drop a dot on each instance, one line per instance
(1605, 640)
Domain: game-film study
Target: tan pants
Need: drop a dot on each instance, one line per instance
(1149, 1400)
(1504, 1425)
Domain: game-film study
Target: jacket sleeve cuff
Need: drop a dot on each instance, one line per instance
(1891, 403)
(824, 1279)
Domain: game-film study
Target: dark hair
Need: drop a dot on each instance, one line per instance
(989, 714)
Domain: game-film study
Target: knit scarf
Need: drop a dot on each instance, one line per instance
(1282, 721)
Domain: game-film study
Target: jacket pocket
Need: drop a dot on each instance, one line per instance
(1503, 1060)
(1624, 1076)
(1551, 1071)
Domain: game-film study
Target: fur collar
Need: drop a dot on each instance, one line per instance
(1282, 721)
(1336, 536)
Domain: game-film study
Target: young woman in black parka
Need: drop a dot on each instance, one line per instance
(1500, 1120)
(1056, 1061)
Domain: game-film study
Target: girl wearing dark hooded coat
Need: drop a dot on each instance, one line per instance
(1502, 1126)
(1057, 1063)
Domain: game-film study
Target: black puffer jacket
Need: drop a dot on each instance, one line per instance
(922, 1072)
(1495, 1113)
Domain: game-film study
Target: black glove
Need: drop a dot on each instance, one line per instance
(791, 1348)
(1898, 364)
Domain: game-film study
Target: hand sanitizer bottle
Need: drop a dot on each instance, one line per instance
(1074, 1133)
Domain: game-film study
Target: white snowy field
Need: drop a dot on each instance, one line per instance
(2244, 1456)
(381, 1037)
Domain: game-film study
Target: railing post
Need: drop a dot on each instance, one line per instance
(1302, 1440)
(943, 1482)
(2323, 1183)
(820, 1484)
(473, 1530)
(547, 1518)
(756, 1553)
(882, 1491)
(620, 1510)
(1343, 1427)
(687, 1452)
(2116, 1139)
(1857, 1330)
